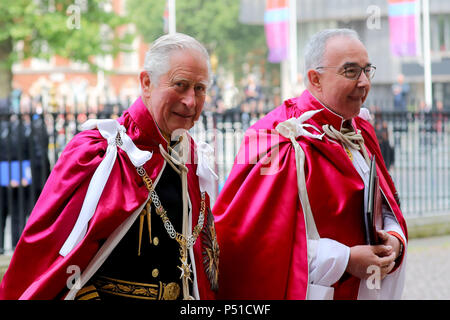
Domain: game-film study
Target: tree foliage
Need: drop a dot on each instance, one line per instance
(214, 23)
(75, 29)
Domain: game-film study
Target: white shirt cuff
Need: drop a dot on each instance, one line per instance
(328, 261)
(391, 224)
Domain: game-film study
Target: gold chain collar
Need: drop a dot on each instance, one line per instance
(184, 242)
(173, 234)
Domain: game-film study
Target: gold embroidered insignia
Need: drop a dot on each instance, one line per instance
(211, 252)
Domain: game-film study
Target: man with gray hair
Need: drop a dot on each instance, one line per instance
(125, 212)
(290, 218)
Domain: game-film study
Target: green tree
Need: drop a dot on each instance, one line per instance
(74, 29)
(214, 23)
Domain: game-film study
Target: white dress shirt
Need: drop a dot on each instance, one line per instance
(329, 258)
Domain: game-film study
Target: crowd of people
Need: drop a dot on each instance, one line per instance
(249, 96)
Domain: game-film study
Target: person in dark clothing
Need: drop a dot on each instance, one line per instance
(40, 164)
(15, 174)
(401, 91)
(387, 150)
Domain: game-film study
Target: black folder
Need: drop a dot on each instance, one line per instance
(373, 217)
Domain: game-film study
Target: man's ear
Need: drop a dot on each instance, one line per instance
(145, 83)
(314, 79)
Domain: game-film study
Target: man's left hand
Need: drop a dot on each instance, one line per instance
(390, 240)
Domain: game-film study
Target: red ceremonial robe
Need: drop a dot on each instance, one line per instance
(37, 270)
(259, 219)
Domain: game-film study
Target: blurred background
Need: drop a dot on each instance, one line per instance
(64, 61)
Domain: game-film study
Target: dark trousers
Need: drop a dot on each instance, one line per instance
(16, 203)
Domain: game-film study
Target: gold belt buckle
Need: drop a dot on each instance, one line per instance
(171, 291)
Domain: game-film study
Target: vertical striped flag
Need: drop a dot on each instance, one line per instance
(276, 25)
(402, 25)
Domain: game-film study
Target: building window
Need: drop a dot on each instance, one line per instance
(440, 33)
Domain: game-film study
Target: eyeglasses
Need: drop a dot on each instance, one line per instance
(354, 71)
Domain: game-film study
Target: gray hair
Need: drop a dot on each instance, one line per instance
(157, 58)
(315, 48)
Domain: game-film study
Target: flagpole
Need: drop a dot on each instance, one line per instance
(172, 16)
(293, 41)
(427, 55)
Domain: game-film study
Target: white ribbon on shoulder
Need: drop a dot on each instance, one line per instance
(116, 136)
(292, 129)
(206, 176)
(364, 113)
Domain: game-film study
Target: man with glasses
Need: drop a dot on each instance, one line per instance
(290, 216)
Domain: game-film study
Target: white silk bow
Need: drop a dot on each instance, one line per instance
(295, 127)
(113, 132)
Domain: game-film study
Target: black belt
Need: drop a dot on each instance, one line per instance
(129, 289)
